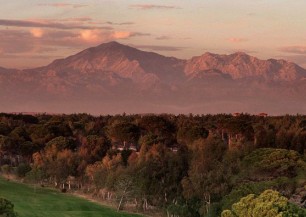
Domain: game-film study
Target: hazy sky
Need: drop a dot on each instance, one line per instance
(33, 33)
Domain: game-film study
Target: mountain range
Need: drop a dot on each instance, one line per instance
(115, 78)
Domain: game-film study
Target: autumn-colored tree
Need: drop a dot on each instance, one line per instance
(62, 166)
(93, 148)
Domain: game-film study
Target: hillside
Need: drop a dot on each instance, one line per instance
(185, 165)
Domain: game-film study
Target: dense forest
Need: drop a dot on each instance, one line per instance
(177, 165)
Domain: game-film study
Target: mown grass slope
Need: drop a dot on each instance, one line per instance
(51, 203)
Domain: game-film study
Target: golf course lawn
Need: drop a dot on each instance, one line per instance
(51, 203)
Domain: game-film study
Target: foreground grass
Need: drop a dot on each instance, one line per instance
(51, 203)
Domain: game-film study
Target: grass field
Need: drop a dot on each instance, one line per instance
(50, 203)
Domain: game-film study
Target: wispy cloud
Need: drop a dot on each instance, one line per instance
(185, 38)
(133, 34)
(38, 41)
(247, 51)
(77, 19)
(160, 47)
(152, 6)
(48, 24)
(120, 24)
(163, 37)
(251, 14)
(64, 5)
(15, 41)
(22, 56)
(293, 49)
(237, 40)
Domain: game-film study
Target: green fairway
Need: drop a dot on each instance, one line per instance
(50, 203)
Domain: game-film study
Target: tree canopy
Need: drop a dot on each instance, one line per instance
(269, 204)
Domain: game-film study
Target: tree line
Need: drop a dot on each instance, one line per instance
(180, 165)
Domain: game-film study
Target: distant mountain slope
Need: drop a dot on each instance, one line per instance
(240, 65)
(115, 78)
(125, 61)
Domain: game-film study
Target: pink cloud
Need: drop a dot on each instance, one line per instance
(96, 36)
(121, 34)
(237, 40)
(90, 35)
(37, 33)
(38, 41)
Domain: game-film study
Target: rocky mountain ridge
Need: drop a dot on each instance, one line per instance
(131, 80)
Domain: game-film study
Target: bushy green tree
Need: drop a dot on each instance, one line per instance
(270, 203)
(273, 162)
(7, 208)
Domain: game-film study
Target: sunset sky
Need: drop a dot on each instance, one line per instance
(33, 33)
